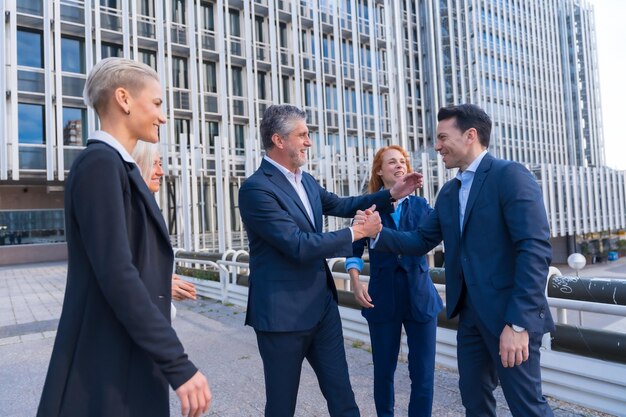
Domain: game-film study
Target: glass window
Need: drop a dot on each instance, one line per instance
(111, 50)
(148, 58)
(179, 72)
(239, 140)
(34, 7)
(237, 81)
(32, 42)
(72, 55)
(286, 88)
(258, 27)
(74, 126)
(22, 227)
(146, 8)
(261, 85)
(210, 77)
(208, 17)
(235, 29)
(213, 130)
(31, 126)
(113, 4)
(283, 35)
(178, 11)
(181, 127)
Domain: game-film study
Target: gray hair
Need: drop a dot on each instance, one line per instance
(279, 119)
(112, 73)
(144, 154)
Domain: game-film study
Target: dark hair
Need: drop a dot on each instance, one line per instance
(467, 116)
(279, 119)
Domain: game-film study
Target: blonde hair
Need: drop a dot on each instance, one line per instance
(112, 73)
(376, 182)
(144, 154)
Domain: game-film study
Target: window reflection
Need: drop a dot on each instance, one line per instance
(30, 52)
(34, 7)
(21, 227)
(72, 55)
(74, 126)
(111, 50)
(31, 126)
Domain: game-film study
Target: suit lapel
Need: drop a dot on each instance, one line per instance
(477, 184)
(283, 184)
(148, 198)
(316, 206)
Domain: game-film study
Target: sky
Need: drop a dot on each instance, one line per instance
(611, 42)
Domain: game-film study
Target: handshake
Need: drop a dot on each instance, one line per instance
(366, 223)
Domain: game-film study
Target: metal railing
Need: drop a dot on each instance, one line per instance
(591, 382)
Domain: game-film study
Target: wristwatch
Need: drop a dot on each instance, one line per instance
(516, 328)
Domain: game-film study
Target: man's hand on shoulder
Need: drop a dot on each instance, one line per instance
(195, 396)
(513, 347)
(406, 185)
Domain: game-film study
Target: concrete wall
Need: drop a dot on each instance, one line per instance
(24, 254)
(30, 197)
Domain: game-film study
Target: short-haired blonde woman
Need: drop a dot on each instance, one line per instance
(115, 351)
(400, 294)
(148, 159)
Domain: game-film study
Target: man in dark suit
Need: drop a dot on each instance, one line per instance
(493, 223)
(292, 302)
(115, 351)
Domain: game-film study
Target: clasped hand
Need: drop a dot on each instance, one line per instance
(366, 223)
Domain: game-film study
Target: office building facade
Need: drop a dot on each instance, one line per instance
(368, 73)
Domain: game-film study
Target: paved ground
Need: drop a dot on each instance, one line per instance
(216, 340)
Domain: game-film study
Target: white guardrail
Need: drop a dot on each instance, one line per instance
(592, 383)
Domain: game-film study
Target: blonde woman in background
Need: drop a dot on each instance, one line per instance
(148, 159)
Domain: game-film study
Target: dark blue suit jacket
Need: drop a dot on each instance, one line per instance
(290, 283)
(424, 299)
(503, 253)
(115, 350)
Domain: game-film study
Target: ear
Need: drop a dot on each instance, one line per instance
(472, 135)
(122, 98)
(277, 141)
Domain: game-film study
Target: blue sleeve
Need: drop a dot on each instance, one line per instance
(354, 263)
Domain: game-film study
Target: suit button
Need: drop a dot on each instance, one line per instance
(161, 297)
(399, 257)
(542, 315)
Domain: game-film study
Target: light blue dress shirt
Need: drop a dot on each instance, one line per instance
(467, 178)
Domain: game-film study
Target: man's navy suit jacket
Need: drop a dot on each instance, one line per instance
(290, 282)
(424, 300)
(502, 253)
(115, 351)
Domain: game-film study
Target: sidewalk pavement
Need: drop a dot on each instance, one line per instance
(216, 340)
(606, 269)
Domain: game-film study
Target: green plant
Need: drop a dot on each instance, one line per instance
(198, 273)
(584, 248)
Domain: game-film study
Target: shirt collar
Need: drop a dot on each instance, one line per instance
(102, 136)
(473, 166)
(297, 175)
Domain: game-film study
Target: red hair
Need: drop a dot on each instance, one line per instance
(376, 182)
